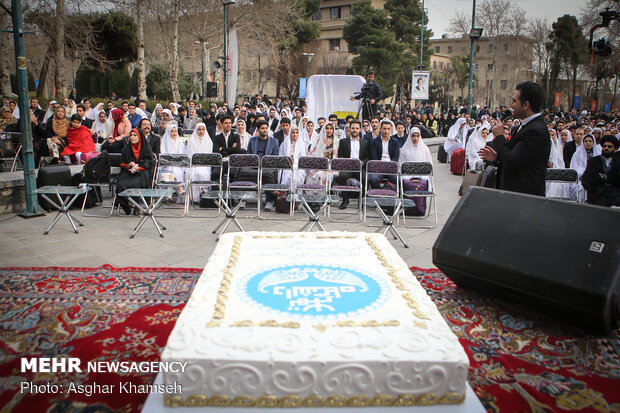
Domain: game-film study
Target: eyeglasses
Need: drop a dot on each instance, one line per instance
(610, 146)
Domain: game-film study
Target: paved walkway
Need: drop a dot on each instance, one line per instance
(188, 242)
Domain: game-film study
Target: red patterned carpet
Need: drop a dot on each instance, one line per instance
(519, 362)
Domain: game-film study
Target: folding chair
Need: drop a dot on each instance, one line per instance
(115, 170)
(201, 161)
(422, 170)
(380, 168)
(313, 164)
(350, 166)
(10, 148)
(564, 176)
(173, 160)
(276, 164)
(243, 175)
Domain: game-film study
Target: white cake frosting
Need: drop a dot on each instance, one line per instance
(312, 319)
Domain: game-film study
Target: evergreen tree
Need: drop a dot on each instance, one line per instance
(376, 47)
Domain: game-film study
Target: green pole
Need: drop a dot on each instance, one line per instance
(225, 52)
(32, 206)
(422, 39)
(471, 60)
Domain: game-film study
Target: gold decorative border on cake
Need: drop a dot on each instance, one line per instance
(293, 400)
(220, 301)
(266, 323)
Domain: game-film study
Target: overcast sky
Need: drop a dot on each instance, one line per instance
(440, 11)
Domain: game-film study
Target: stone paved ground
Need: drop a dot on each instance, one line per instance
(188, 242)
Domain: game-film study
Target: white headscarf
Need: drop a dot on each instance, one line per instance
(579, 161)
(195, 144)
(570, 135)
(73, 110)
(317, 148)
(453, 142)
(103, 128)
(245, 136)
(301, 149)
(16, 112)
(175, 106)
(556, 156)
(167, 146)
(309, 139)
(49, 111)
(415, 153)
(154, 114)
(474, 144)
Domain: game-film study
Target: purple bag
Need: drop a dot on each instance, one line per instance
(415, 184)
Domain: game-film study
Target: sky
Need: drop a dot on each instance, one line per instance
(440, 11)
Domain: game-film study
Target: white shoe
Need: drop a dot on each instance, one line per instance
(268, 206)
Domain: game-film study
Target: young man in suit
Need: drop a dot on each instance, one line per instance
(596, 178)
(262, 145)
(283, 133)
(152, 139)
(227, 142)
(374, 129)
(571, 147)
(273, 121)
(384, 148)
(354, 148)
(81, 110)
(522, 161)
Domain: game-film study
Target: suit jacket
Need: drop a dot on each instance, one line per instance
(279, 136)
(226, 148)
(154, 142)
(344, 149)
(87, 122)
(368, 136)
(401, 141)
(274, 124)
(595, 174)
(568, 152)
(273, 148)
(376, 149)
(523, 160)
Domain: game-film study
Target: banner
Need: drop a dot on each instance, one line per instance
(420, 84)
(577, 102)
(606, 108)
(557, 100)
(327, 94)
(302, 87)
(233, 66)
(593, 105)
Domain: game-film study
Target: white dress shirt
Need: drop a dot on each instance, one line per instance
(385, 154)
(355, 148)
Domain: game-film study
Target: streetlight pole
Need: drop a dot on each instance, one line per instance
(422, 38)
(203, 46)
(471, 59)
(226, 3)
(309, 56)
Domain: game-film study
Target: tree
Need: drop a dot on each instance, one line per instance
(569, 48)
(402, 14)
(5, 58)
(459, 71)
(374, 45)
(158, 85)
(538, 30)
(59, 79)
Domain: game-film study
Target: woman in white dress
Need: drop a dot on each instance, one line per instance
(172, 143)
(199, 142)
(477, 141)
(588, 149)
(456, 135)
(325, 146)
(295, 147)
(102, 126)
(556, 160)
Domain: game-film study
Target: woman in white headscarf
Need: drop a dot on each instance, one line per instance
(102, 126)
(199, 142)
(156, 115)
(71, 108)
(309, 134)
(50, 110)
(171, 143)
(556, 160)
(476, 141)
(456, 136)
(587, 150)
(244, 136)
(173, 107)
(295, 147)
(325, 146)
(414, 150)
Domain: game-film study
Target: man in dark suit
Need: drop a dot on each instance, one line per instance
(571, 147)
(596, 178)
(283, 133)
(153, 140)
(400, 135)
(263, 145)
(227, 142)
(353, 147)
(273, 121)
(522, 161)
(384, 148)
(81, 110)
(374, 129)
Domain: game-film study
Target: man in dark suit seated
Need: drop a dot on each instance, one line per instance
(400, 135)
(353, 148)
(384, 148)
(522, 161)
(81, 110)
(227, 142)
(153, 140)
(374, 129)
(598, 178)
(262, 145)
(282, 134)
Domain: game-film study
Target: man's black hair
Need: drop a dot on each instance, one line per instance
(531, 92)
(356, 121)
(142, 120)
(261, 123)
(123, 102)
(285, 120)
(131, 104)
(75, 116)
(81, 106)
(225, 117)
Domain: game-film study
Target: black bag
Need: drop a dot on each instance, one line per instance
(92, 197)
(442, 155)
(97, 170)
(52, 175)
(489, 177)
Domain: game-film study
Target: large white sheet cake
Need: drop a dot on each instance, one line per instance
(312, 319)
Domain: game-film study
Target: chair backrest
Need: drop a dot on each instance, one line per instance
(382, 167)
(346, 165)
(206, 159)
(416, 168)
(243, 160)
(276, 162)
(177, 160)
(561, 175)
(313, 162)
(115, 160)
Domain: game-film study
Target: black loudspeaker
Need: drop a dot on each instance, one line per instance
(211, 89)
(555, 256)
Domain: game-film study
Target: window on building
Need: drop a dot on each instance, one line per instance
(318, 15)
(334, 45)
(506, 47)
(449, 49)
(504, 68)
(504, 84)
(490, 47)
(477, 48)
(441, 65)
(490, 84)
(334, 12)
(437, 49)
(435, 64)
(490, 67)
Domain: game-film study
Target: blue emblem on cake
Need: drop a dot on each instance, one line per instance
(314, 291)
